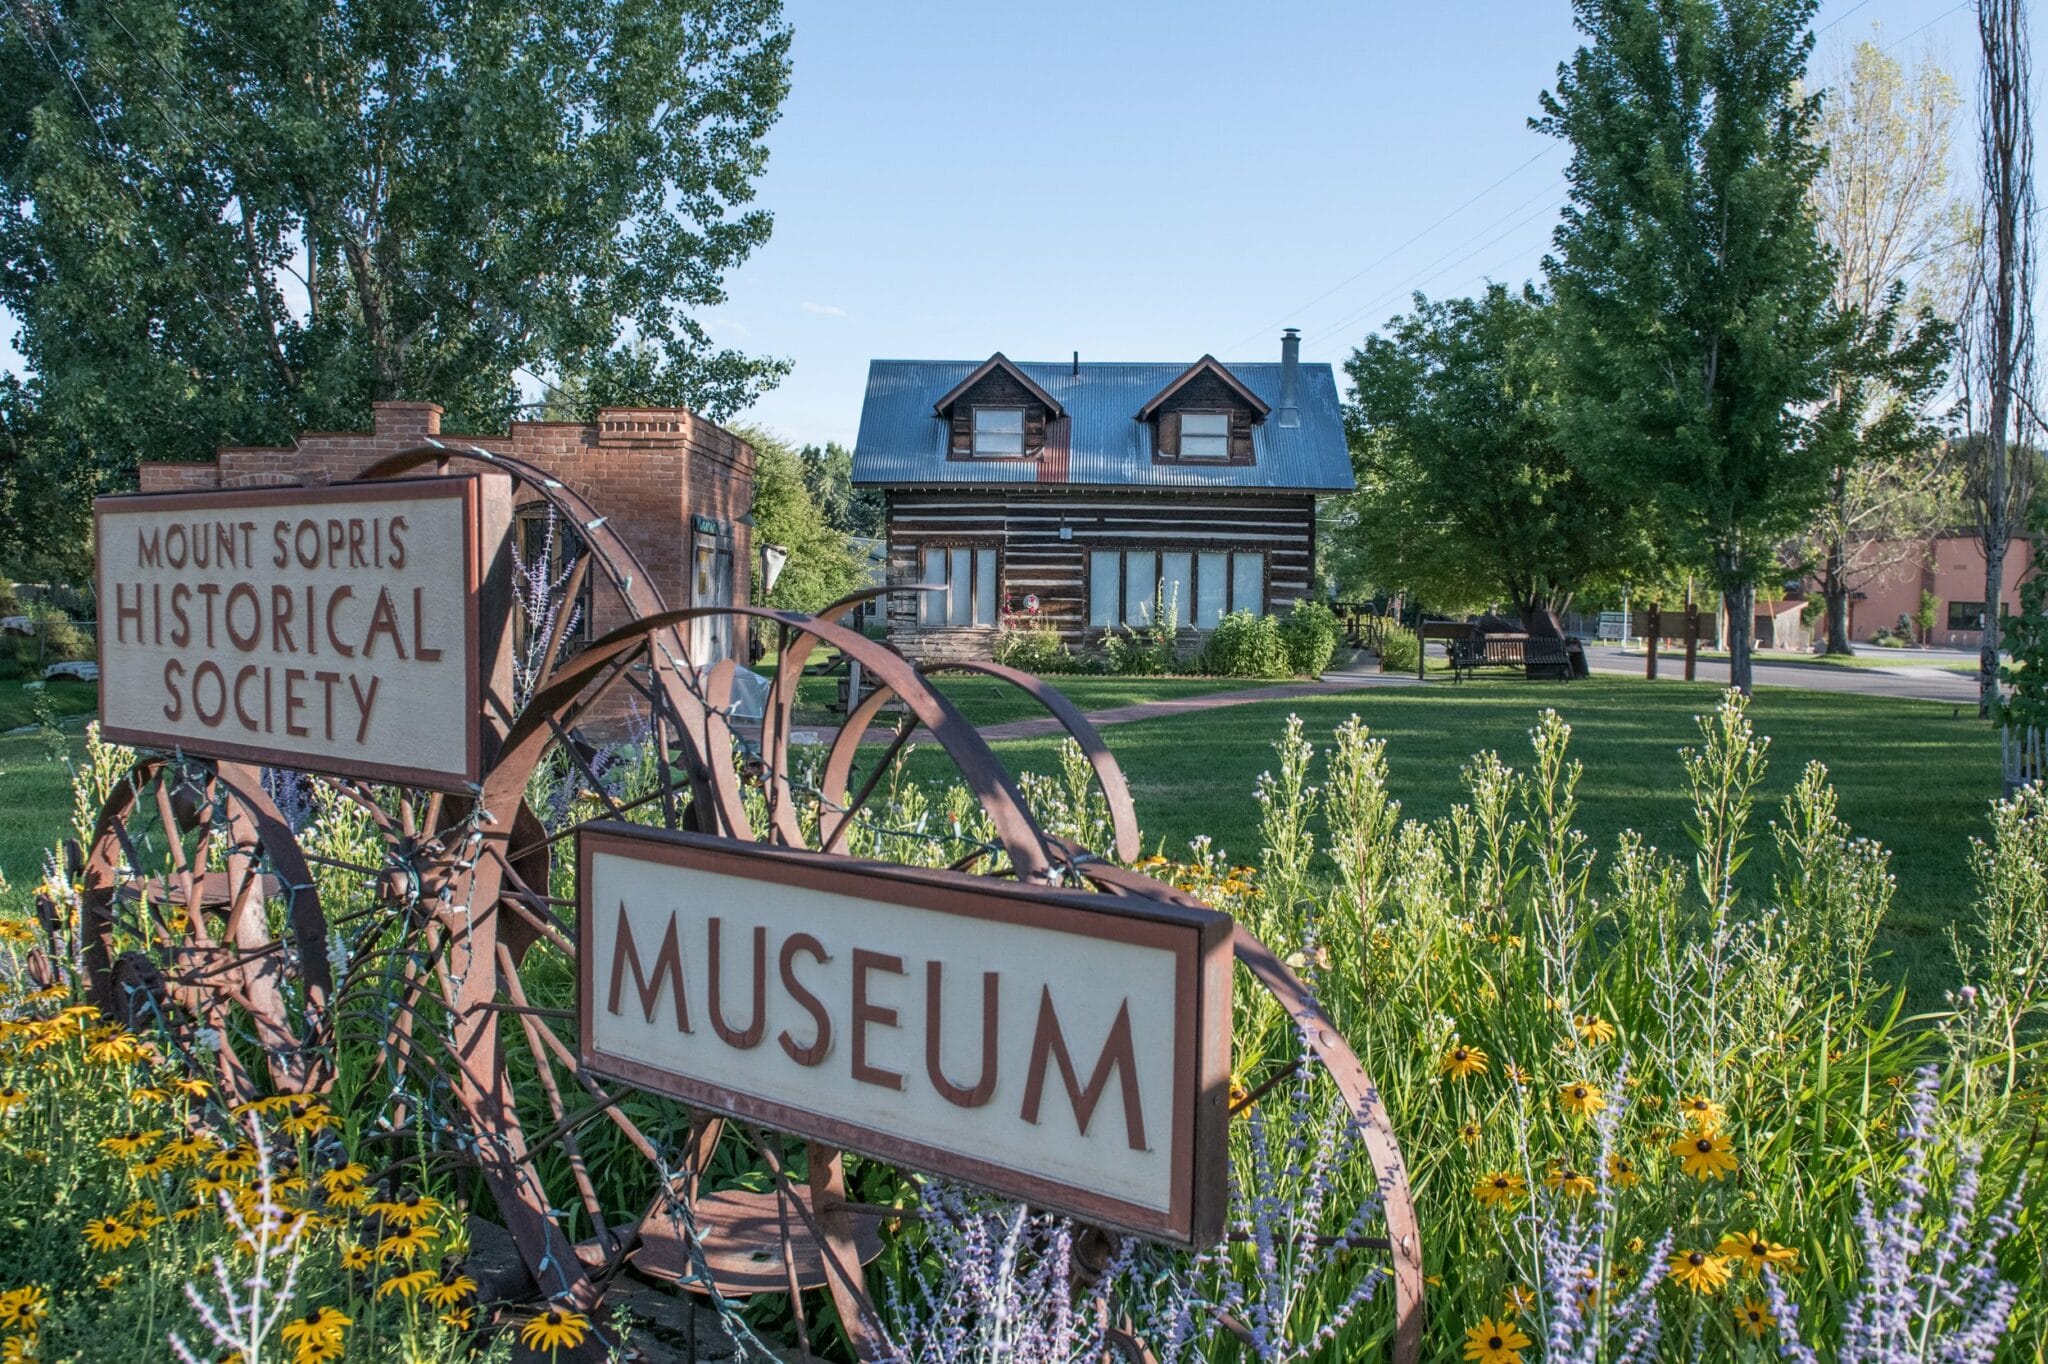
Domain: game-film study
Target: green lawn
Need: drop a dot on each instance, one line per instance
(1912, 774)
(986, 701)
(17, 702)
(1886, 660)
(35, 806)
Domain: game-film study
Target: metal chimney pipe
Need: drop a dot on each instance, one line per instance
(1290, 377)
(1077, 364)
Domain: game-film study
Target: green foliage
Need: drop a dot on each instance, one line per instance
(1928, 614)
(1400, 648)
(828, 473)
(1035, 647)
(1691, 288)
(1310, 634)
(822, 567)
(1246, 645)
(229, 223)
(1468, 496)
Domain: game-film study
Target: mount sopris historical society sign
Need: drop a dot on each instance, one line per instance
(1065, 1049)
(332, 629)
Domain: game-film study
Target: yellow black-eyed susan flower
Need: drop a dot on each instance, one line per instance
(1705, 1155)
(23, 1309)
(1751, 1251)
(133, 1142)
(409, 1211)
(1622, 1172)
(109, 1234)
(1701, 1111)
(11, 1098)
(321, 1321)
(406, 1243)
(1594, 1030)
(1502, 1188)
(558, 1328)
(450, 1292)
(409, 1284)
(1462, 1062)
(1581, 1099)
(357, 1259)
(1753, 1315)
(1568, 1180)
(1495, 1341)
(1701, 1271)
(344, 1176)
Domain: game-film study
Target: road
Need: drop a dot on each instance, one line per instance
(1925, 683)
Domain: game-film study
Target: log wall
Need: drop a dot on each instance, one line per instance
(1025, 525)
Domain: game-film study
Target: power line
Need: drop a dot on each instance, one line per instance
(1445, 263)
(1352, 278)
(1840, 17)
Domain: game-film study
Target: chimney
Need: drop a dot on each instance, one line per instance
(1077, 364)
(1290, 377)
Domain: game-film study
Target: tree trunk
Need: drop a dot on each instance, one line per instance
(1539, 620)
(1835, 593)
(1741, 604)
(1987, 653)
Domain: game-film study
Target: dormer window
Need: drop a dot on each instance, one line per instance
(998, 432)
(1205, 435)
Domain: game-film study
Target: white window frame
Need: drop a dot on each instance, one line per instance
(981, 451)
(1219, 449)
(1137, 614)
(984, 586)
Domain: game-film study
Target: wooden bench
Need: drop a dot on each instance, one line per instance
(1537, 657)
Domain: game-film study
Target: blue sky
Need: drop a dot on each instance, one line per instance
(1148, 180)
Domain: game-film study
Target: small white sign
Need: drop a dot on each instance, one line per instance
(1068, 1050)
(332, 629)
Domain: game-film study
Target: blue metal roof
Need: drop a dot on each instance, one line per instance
(902, 443)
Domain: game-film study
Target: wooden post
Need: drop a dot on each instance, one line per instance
(1692, 638)
(1421, 651)
(1650, 638)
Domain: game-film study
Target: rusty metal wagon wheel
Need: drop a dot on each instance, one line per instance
(200, 921)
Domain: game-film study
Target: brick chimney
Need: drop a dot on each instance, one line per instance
(407, 421)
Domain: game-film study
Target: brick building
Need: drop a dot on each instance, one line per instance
(677, 488)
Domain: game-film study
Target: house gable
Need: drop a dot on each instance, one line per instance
(1206, 414)
(998, 386)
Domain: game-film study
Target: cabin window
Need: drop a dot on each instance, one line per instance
(968, 573)
(1129, 586)
(998, 432)
(1205, 435)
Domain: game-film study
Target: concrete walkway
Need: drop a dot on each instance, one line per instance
(1923, 683)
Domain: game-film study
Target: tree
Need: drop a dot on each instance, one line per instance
(1690, 285)
(828, 473)
(822, 567)
(1998, 318)
(1463, 484)
(224, 223)
(1881, 206)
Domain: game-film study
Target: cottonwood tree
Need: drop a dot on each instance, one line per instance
(1690, 284)
(227, 222)
(1997, 333)
(1464, 489)
(822, 567)
(1882, 207)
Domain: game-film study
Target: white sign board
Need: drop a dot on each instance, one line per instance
(332, 629)
(1064, 1049)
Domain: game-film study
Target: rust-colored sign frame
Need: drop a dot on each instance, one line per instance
(303, 499)
(1200, 941)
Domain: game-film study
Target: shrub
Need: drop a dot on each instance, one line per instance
(1311, 633)
(1245, 645)
(1031, 644)
(1400, 649)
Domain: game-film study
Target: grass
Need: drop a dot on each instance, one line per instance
(986, 701)
(35, 796)
(71, 697)
(1914, 775)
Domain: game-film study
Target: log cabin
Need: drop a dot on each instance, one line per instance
(1084, 496)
